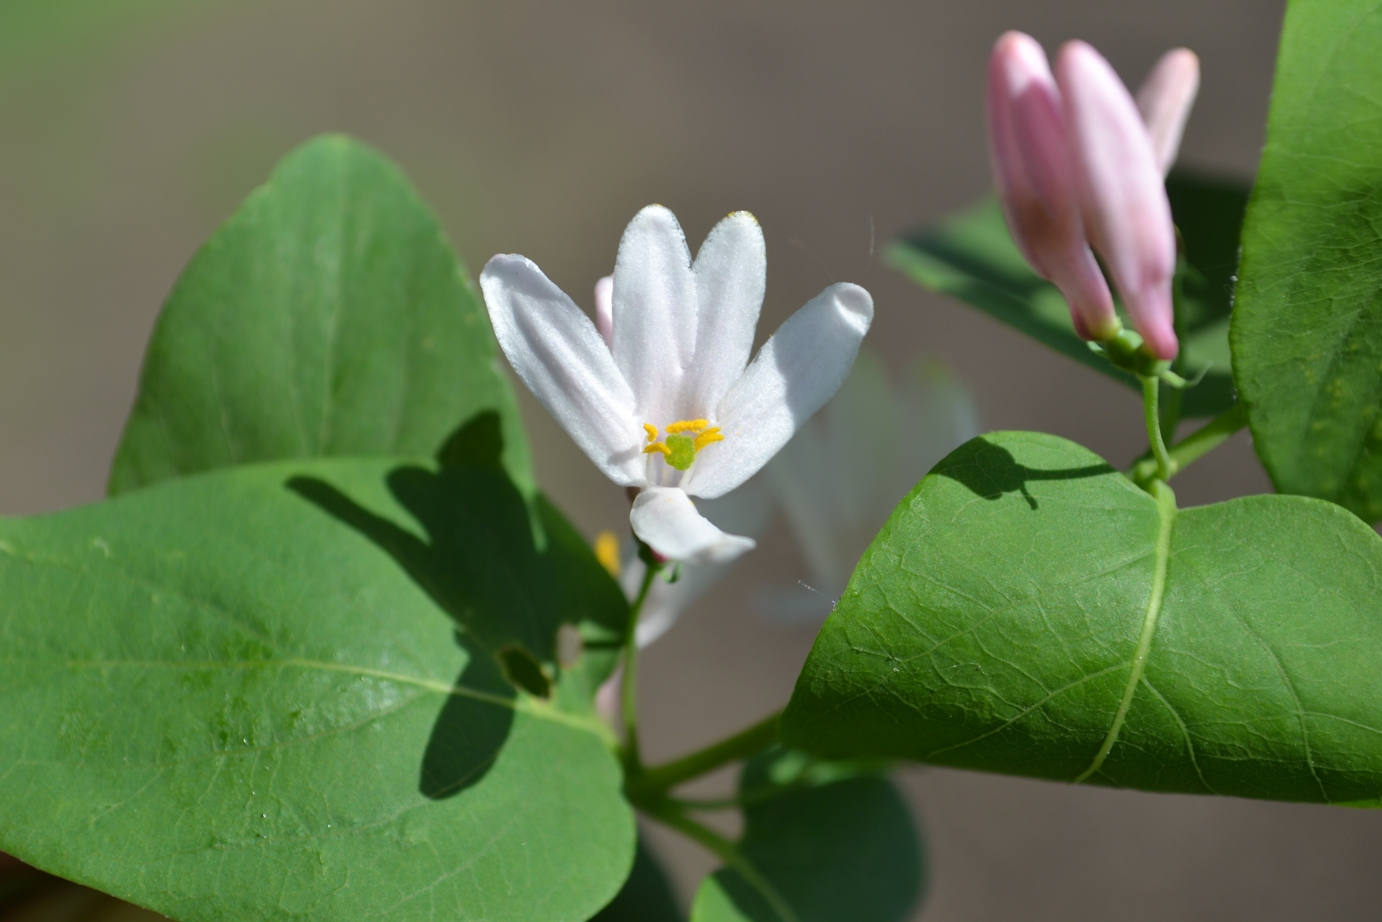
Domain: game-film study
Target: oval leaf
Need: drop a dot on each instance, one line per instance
(835, 842)
(1028, 610)
(1307, 325)
(274, 693)
(328, 316)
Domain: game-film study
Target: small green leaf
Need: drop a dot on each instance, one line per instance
(1307, 328)
(972, 257)
(328, 316)
(646, 896)
(272, 693)
(1028, 610)
(836, 843)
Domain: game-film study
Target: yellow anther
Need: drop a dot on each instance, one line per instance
(607, 552)
(688, 425)
(707, 437)
(651, 430)
(659, 447)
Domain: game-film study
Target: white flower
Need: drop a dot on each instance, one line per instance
(845, 471)
(668, 402)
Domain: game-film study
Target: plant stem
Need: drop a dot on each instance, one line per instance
(633, 761)
(1151, 389)
(652, 783)
(1194, 446)
(726, 851)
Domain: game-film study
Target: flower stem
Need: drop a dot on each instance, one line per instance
(726, 851)
(1194, 446)
(633, 761)
(653, 783)
(1151, 390)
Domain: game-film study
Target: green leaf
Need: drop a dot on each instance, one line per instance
(835, 841)
(646, 896)
(1307, 328)
(328, 316)
(1028, 610)
(972, 257)
(274, 693)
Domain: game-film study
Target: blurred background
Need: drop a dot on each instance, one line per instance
(132, 128)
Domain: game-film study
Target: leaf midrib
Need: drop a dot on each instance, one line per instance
(1166, 512)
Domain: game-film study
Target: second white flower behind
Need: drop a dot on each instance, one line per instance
(666, 400)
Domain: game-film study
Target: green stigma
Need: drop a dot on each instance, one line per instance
(681, 451)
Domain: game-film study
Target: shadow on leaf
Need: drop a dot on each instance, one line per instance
(501, 567)
(990, 471)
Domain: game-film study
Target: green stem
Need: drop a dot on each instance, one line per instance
(1194, 446)
(633, 761)
(726, 851)
(1151, 388)
(652, 783)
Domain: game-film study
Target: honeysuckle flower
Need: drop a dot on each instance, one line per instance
(1165, 98)
(1076, 165)
(1034, 172)
(844, 472)
(1123, 200)
(670, 403)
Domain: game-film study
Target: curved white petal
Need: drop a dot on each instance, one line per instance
(604, 309)
(665, 519)
(796, 371)
(654, 312)
(560, 356)
(731, 273)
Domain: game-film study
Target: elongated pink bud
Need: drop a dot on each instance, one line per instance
(1123, 200)
(1165, 99)
(1033, 172)
(604, 309)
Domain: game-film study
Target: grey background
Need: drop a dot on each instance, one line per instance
(541, 128)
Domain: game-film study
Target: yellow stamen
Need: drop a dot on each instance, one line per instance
(651, 430)
(607, 552)
(687, 425)
(707, 437)
(659, 447)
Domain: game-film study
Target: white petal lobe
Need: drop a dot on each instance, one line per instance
(654, 312)
(666, 520)
(562, 359)
(731, 273)
(793, 375)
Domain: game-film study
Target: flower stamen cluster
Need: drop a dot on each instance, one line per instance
(679, 449)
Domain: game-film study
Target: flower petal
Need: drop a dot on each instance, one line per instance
(558, 353)
(654, 312)
(1030, 156)
(1126, 213)
(604, 309)
(796, 371)
(1165, 99)
(731, 273)
(665, 519)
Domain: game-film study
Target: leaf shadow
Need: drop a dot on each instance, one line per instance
(990, 471)
(483, 562)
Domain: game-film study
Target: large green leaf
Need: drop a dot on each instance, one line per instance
(972, 257)
(1028, 610)
(1307, 328)
(329, 316)
(836, 843)
(276, 692)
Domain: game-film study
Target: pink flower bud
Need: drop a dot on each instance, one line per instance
(1032, 168)
(1165, 99)
(1122, 197)
(604, 309)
